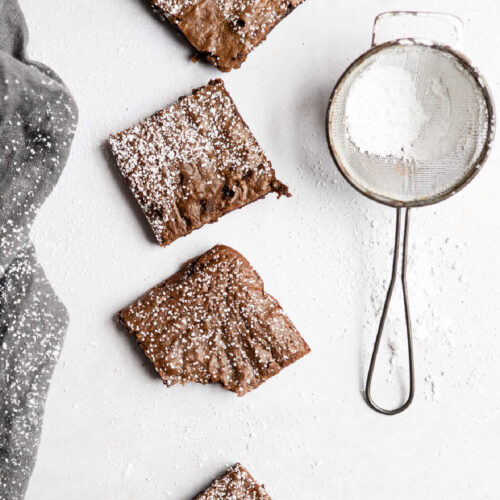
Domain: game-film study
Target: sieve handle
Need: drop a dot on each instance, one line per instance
(445, 29)
(395, 265)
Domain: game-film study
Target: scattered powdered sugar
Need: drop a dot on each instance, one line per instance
(396, 349)
(383, 113)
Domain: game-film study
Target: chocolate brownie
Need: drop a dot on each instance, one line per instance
(193, 162)
(224, 32)
(235, 484)
(213, 322)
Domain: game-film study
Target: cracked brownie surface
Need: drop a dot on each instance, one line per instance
(213, 322)
(192, 162)
(235, 484)
(224, 32)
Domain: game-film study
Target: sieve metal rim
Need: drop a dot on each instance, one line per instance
(474, 168)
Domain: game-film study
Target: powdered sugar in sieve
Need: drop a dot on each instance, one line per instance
(408, 123)
(375, 121)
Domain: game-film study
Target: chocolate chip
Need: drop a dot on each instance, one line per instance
(226, 191)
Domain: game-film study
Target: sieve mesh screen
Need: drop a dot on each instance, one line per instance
(408, 123)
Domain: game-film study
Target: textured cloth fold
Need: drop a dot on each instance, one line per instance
(37, 123)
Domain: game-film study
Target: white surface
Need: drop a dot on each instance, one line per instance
(112, 431)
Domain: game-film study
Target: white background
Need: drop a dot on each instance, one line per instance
(113, 431)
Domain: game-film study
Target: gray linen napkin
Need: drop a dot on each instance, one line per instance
(37, 123)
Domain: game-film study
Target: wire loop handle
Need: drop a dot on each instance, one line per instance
(376, 346)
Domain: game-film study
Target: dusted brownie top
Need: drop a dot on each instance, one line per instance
(225, 31)
(235, 484)
(191, 163)
(213, 322)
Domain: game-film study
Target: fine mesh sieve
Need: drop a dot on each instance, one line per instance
(409, 124)
(419, 144)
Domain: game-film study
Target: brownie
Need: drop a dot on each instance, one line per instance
(235, 484)
(193, 162)
(224, 32)
(213, 322)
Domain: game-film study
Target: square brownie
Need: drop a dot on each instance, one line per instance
(213, 322)
(235, 484)
(193, 162)
(224, 32)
